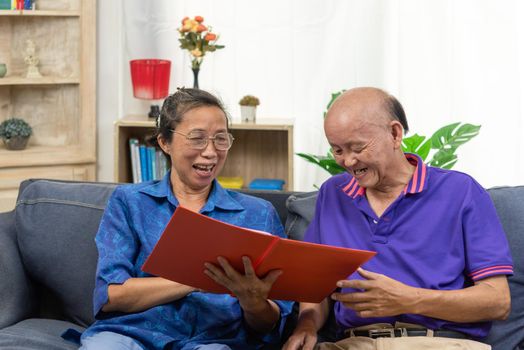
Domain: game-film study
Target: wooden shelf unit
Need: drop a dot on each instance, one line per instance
(60, 106)
(42, 13)
(261, 150)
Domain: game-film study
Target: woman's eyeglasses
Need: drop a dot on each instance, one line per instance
(199, 140)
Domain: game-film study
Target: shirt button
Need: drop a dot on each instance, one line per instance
(375, 221)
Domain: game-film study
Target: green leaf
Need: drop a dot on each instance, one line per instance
(410, 144)
(415, 144)
(327, 163)
(309, 157)
(445, 158)
(334, 96)
(447, 139)
(450, 136)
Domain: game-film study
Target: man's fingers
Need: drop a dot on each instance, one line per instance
(355, 284)
(310, 343)
(367, 274)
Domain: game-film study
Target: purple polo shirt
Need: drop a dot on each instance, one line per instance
(442, 232)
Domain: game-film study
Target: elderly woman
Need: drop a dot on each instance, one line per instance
(137, 311)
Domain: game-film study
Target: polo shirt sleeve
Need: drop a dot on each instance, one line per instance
(117, 247)
(486, 245)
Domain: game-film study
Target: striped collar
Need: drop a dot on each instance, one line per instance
(416, 185)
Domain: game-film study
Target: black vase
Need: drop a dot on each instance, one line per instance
(195, 77)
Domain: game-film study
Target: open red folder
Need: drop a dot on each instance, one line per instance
(310, 271)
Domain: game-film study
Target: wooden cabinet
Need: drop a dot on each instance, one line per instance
(261, 150)
(60, 106)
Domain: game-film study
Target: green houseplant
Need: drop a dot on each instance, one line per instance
(437, 150)
(15, 132)
(248, 108)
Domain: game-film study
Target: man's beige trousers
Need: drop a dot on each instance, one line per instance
(403, 343)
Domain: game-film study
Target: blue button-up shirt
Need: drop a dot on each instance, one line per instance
(133, 221)
(441, 233)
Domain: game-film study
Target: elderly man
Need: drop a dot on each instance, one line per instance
(439, 277)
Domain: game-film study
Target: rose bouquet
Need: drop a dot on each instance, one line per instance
(198, 39)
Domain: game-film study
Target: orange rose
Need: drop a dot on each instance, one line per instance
(210, 36)
(196, 53)
(199, 19)
(201, 28)
(184, 20)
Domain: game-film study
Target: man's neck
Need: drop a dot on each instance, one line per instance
(381, 198)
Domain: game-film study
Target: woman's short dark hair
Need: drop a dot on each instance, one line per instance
(179, 103)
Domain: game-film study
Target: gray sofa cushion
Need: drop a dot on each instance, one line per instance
(301, 208)
(509, 202)
(42, 334)
(56, 224)
(16, 296)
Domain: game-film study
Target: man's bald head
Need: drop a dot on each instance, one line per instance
(372, 105)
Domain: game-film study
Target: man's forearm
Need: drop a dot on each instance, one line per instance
(487, 300)
(313, 316)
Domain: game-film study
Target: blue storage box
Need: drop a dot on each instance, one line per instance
(267, 184)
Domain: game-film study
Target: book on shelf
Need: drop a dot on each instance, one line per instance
(133, 153)
(147, 163)
(310, 271)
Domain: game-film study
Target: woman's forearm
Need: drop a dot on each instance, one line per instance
(263, 317)
(139, 294)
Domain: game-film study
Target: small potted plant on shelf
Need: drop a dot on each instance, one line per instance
(15, 132)
(248, 108)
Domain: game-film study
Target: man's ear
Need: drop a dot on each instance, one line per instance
(396, 132)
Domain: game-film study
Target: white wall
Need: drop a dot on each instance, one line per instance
(109, 82)
(445, 60)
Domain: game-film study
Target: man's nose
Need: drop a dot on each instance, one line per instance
(349, 160)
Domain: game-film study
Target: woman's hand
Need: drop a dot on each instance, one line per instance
(251, 291)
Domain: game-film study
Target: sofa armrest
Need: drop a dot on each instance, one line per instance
(16, 292)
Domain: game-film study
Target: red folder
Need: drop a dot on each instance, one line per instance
(310, 271)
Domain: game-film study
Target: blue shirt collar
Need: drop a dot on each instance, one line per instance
(219, 197)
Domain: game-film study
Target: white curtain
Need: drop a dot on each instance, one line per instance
(446, 61)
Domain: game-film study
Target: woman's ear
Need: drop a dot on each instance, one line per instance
(164, 145)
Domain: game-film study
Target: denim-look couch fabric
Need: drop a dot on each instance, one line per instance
(48, 260)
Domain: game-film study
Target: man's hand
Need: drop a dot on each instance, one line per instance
(302, 339)
(381, 296)
(311, 318)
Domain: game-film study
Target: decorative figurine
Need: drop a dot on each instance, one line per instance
(31, 60)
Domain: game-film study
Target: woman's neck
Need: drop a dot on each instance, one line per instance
(190, 198)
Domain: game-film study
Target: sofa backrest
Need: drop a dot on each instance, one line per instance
(56, 223)
(509, 202)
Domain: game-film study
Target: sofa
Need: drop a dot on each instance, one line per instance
(48, 260)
